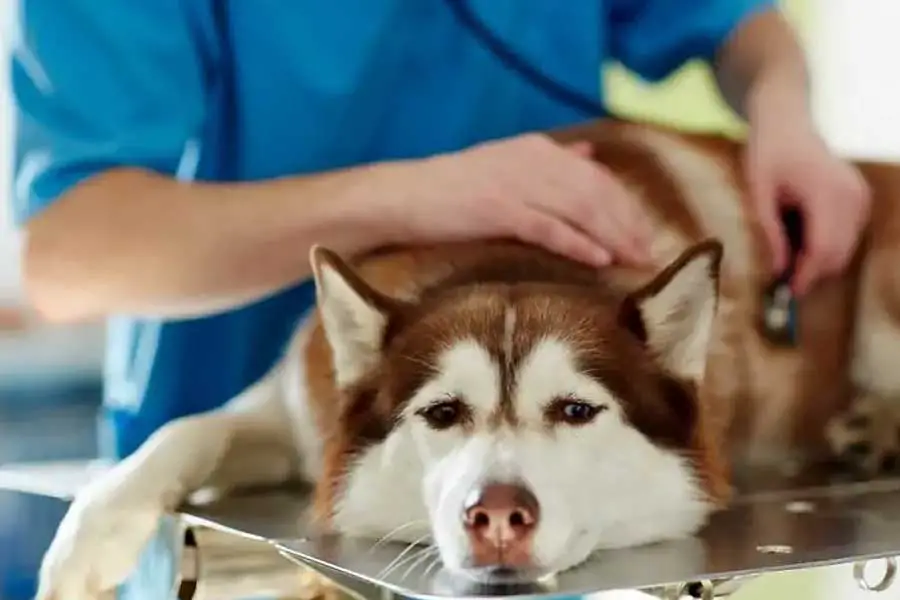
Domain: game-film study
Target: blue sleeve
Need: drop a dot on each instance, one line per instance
(97, 85)
(653, 38)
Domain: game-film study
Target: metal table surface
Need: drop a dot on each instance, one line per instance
(782, 524)
(776, 524)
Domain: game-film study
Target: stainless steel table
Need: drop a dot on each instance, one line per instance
(777, 524)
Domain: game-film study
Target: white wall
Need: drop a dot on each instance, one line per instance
(854, 48)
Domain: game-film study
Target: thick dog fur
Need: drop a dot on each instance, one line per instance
(619, 399)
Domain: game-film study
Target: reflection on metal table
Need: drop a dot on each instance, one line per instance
(774, 525)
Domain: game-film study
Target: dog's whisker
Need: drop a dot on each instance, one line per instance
(423, 557)
(420, 558)
(413, 557)
(393, 569)
(434, 563)
(386, 537)
(391, 565)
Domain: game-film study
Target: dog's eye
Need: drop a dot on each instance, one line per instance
(573, 411)
(444, 413)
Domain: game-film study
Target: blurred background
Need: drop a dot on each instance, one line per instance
(49, 383)
(46, 373)
(50, 376)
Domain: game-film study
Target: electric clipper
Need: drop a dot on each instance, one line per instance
(779, 317)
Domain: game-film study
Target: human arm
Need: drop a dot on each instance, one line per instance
(763, 56)
(763, 75)
(136, 242)
(110, 99)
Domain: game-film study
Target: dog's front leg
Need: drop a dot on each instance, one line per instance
(248, 442)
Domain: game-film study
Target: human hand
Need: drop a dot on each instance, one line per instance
(788, 164)
(527, 187)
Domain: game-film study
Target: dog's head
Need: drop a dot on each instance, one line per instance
(521, 426)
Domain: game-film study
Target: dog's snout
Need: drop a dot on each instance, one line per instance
(505, 511)
(500, 519)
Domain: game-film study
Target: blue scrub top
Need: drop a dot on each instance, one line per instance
(243, 90)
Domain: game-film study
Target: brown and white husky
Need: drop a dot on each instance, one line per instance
(524, 410)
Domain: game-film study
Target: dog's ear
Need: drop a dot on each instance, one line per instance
(674, 313)
(354, 315)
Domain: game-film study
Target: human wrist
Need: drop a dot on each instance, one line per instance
(782, 94)
(354, 210)
(387, 199)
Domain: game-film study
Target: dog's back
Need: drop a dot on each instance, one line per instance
(766, 401)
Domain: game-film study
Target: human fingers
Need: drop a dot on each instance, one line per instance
(852, 195)
(840, 199)
(847, 209)
(548, 231)
(582, 148)
(502, 204)
(518, 211)
(632, 214)
(595, 188)
(822, 236)
(590, 197)
(764, 203)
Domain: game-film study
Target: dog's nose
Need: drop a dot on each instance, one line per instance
(500, 519)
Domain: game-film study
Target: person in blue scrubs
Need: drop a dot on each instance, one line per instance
(175, 160)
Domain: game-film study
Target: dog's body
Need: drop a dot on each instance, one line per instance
(447, 389)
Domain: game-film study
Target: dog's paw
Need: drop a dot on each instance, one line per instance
(96, 547)
(866, 437)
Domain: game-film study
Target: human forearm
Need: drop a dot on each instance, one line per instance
(134, 242)
(130, 242)
(763, 65)
(763, 75)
